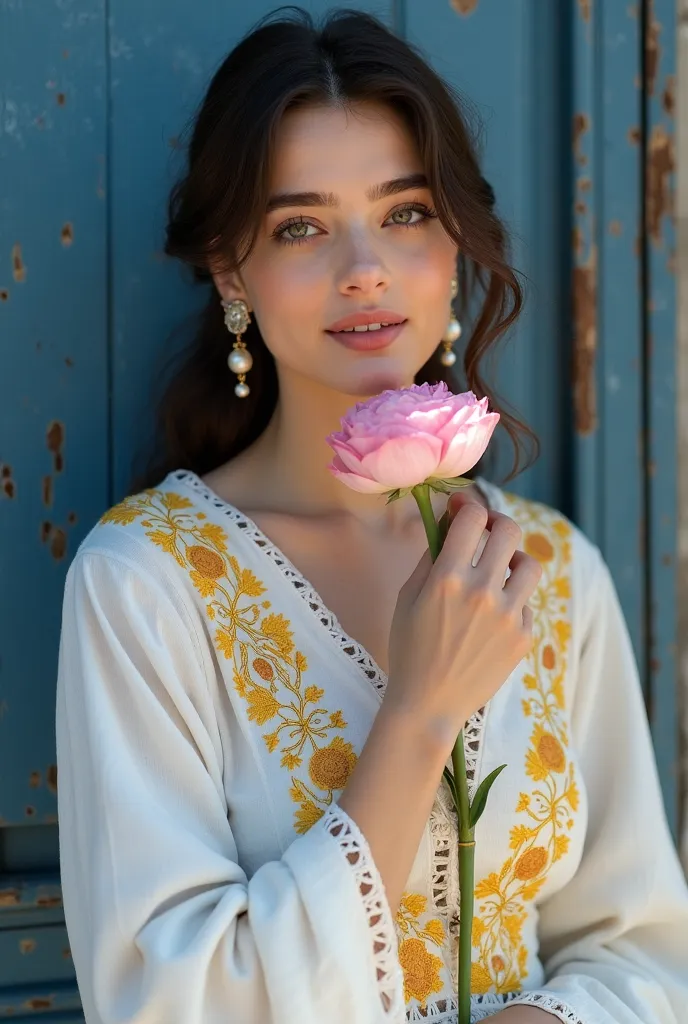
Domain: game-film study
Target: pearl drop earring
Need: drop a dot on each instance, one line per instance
(453, 330)
(240, 359)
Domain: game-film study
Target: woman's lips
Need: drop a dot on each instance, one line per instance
(368, 341)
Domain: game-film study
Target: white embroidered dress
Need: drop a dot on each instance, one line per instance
(209, 712)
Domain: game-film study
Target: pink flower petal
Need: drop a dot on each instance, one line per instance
(404, 461)
(355, 482)
(467, 447)
(350, 459)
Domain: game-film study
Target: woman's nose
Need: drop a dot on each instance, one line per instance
(363, 271)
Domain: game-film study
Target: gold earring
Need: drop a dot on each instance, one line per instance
(453, 331)
(240, 359)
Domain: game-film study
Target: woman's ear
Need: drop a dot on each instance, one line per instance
(230, 286)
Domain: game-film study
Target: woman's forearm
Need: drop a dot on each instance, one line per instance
(392, 788)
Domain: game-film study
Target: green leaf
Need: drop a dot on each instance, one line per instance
(480, 798)
(450, 782)
(400, 492)
(450, 484)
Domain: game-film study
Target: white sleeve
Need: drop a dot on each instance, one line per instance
(163, 923)
(614, 941)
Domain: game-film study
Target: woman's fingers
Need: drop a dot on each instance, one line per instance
(505, 536)
(526, 573)
(463, 536)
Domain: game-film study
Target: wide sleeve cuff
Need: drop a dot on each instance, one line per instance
(375, 906)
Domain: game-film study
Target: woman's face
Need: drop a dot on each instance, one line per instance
(350, 229)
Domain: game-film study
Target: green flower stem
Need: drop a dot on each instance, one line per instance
(466, 879)
(422, 495)
(460, 793)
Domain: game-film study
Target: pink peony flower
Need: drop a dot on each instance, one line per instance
(403, 438)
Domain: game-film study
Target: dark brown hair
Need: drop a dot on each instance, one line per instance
(218, 206)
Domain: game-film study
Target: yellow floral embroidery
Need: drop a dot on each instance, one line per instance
(267, 670)
(500, 963)
(421, 967)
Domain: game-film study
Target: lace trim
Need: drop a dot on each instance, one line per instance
(324, 615)
(550, 1003)
(446, 1010)
(371, 887)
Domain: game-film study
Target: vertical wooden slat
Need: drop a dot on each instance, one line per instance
(606, 297)
(52, 362)
(660, 70)
(587, 500)
(681, 117)
(53, 444)
(620, 327)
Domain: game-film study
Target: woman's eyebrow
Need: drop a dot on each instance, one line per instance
(374, 194)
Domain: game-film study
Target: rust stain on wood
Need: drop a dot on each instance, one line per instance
(55, 436)
(18, 265)
(35, 780)
(9, 897)
(584, 9)
(57, 539)
(581, 124)
(39, 1003)
(661, 163)
(4, 295)
(9, 487)
(669, 96)
(585, 343)
(47, 491)
(634, 136)
(61, 99)
(30, 811)
(27, 946)
(615, 228)
(464, 7)
(49, 901)
(51, 778)
(67, 235)
(58, 543)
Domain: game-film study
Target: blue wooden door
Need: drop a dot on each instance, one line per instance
(577, 101)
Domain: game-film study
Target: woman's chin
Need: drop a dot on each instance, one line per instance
(365, 381)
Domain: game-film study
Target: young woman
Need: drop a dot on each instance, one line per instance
(261, 672)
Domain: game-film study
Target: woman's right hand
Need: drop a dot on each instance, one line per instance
(459, 630)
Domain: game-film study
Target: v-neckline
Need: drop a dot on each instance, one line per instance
(324, 615)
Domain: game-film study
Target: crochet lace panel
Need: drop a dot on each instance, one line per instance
(376, 906)
(485, 1006)
(325, 616)
(444, 836)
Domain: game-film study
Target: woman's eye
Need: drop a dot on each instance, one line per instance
(405, 216)
(409, 216)
(295, 231)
